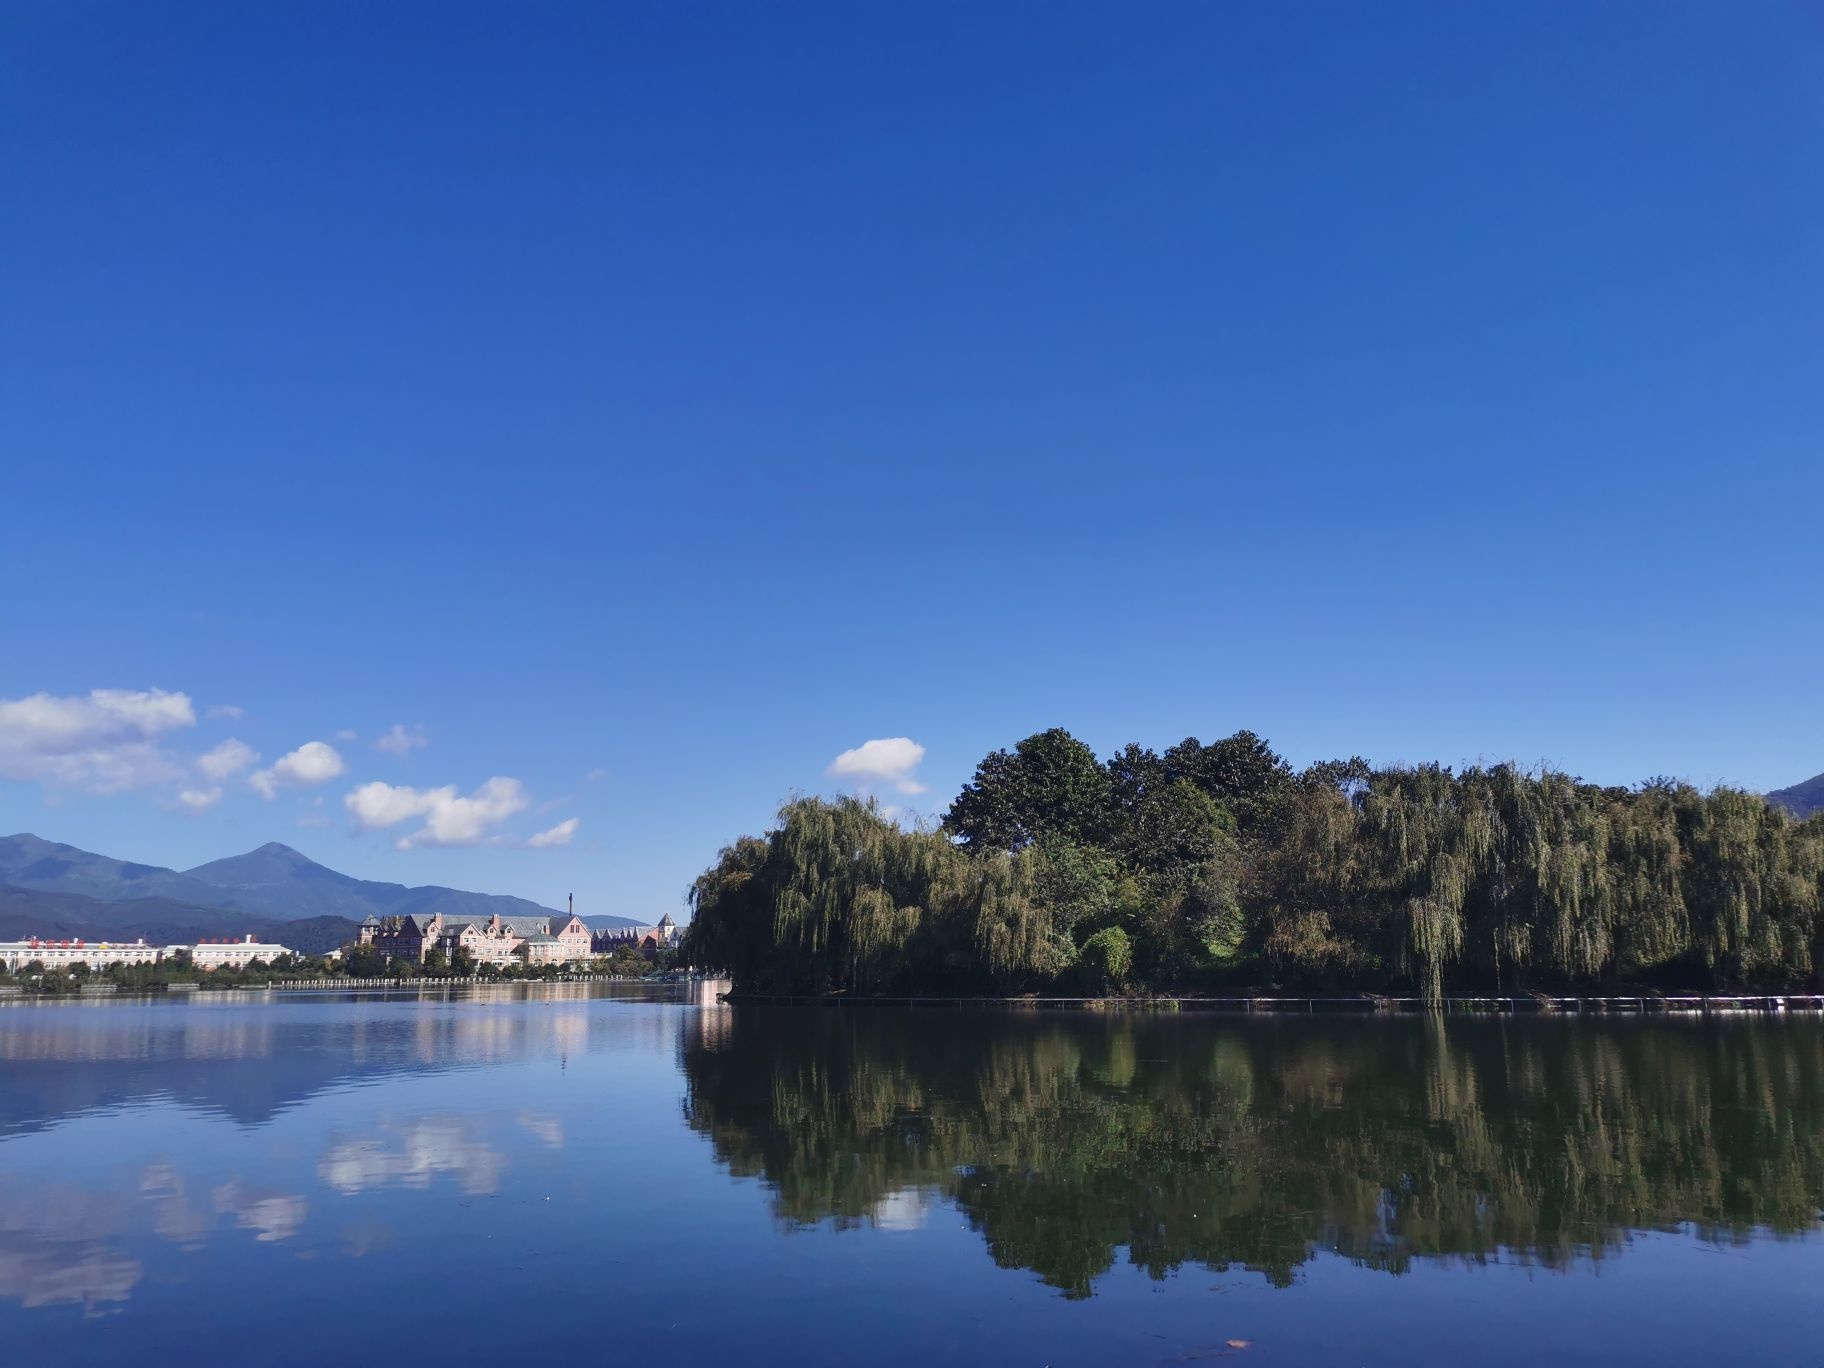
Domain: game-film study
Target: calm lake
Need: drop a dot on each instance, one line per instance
(645, 1176)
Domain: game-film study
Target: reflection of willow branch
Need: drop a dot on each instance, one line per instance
(1252, 1144)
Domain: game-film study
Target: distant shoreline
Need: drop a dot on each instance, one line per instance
(12, 993)
(1544, 1004)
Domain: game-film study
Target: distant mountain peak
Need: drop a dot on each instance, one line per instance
(273, 882)
(1801, 800)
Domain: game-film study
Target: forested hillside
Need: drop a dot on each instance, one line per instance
(1219, 865)
(1801, 800)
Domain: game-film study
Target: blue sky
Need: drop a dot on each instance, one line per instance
(652, 402)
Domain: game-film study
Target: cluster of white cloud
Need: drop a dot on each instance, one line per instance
(105, 741)
(229, 758)
(313, 763)
(888, 760)
(450, 819)
(401, 739)
(110, 741)
(223, 762)
(559, 835)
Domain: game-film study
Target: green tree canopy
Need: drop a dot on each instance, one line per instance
(1050, 785)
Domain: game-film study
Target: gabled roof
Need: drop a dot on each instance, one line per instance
(529, 926)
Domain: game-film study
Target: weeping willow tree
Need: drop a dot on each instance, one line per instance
(1752, 875)
(837, 898)
(1423, 846)
(1412, 879)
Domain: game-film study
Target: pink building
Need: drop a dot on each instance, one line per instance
(559, 939)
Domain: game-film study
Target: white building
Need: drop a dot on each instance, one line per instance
(62, 954)
(228, 954)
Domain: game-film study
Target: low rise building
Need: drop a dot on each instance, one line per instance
(559, 939)
(567, 933)
(486, 942)
(647, 941)
(209, 955)
(95, 955)
(403, 937)
(64, 954)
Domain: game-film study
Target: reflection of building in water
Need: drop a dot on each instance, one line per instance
(199, 1034)
(709, 1030)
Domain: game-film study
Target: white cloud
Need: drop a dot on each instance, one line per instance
(449, 820)
(229, 711)
(200, 800)
(559, 835)
(106, 741)
(377, 806)
(888, 760)
(401, 739)
(313, 763)
(231, 757)
(348, 734)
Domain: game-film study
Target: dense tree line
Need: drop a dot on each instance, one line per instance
(1219, 865)
(1068, 1138)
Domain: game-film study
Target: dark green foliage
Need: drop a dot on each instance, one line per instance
(1219, 865)
(1240, 772)
(1107, 959)
(1051, 785)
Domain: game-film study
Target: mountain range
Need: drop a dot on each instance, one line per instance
(1801, 800)
(275, 892)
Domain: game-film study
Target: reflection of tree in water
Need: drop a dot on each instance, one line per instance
(1253, 1143)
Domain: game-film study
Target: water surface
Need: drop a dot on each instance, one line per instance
(655, 1178)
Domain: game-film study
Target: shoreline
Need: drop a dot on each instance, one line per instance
(192, 988)
(1542, 1004)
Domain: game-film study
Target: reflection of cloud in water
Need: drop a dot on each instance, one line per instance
(64, 1275)
(546, 1128)
(53, 1250)
(413, 1155)
(272, 1215)
(58, 1243)
(366, 1237)
(907, 1209)
(174, 1216)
